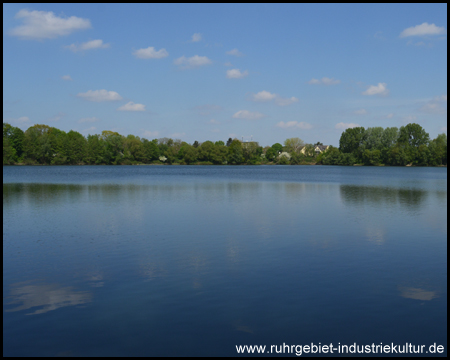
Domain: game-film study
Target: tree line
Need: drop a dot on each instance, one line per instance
(45, 145)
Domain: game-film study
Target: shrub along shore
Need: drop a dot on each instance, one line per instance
(44, 145)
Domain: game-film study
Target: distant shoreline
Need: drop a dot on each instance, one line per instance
(272, 164)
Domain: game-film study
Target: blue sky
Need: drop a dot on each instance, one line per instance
(210, 72)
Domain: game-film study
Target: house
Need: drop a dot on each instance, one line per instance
(321, 148)
(317, 149)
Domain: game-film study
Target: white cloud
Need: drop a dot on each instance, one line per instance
(314, 81)
(131, 106)
(236, 74)
(438, 105)
(194, 61)
(214, 121)
(150, 134)
(89, 45)
(228, 64)
(423, 29)
(66, 77)
(380, 89)
(294, 124)
(343, 126)
(235, 52)
(150, 53)
(360, 112)
(389, 116)
(100, 95)
(284, 102)
(263, 96)
(196, 37)
(324, 81)
(45, 25)
(248, 115)
(88, 119)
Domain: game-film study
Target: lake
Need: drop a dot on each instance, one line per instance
(194, 260)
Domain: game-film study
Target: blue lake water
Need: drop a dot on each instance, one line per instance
(193, 260)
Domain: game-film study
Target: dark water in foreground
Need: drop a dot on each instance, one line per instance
(192, 260)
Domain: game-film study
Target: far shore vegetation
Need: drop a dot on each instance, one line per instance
(44, 145)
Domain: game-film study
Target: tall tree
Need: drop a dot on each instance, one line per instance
(293, 145)
(351, 140)
(413, 135)
(235, 152)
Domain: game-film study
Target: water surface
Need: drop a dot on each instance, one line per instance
(193, 260)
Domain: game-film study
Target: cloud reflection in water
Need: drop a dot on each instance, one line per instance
(45, 296)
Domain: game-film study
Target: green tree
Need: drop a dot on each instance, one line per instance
(95, 150)
(205, 151)
(235, 152)
(8, 152)
(15, 137)
(293, 145)
(413, 135)
(151, 150)
(277, 147)
(271, 154)
(351, 140)
(113, 147)
(438, 150)
(190, 154)
(251, 150)
(331, 156)
(134, 149)
(373, 139)
(36, 145)
(219, 154)
(372, 157)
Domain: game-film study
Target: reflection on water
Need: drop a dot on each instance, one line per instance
(417, 293)
(189, 267)
(45, 296)
(383, 196)
(376, 235)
